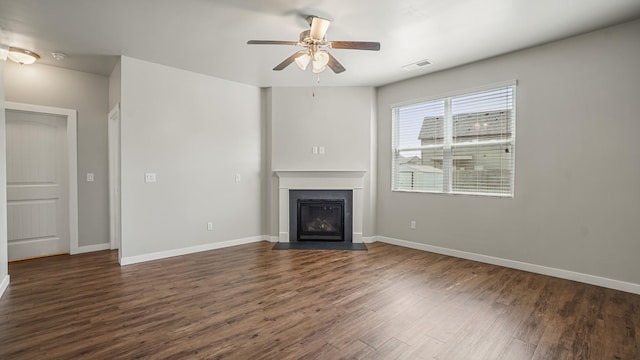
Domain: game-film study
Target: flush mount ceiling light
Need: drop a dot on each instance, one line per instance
(22, 56)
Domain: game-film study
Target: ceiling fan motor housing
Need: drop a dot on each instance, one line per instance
(306, 39)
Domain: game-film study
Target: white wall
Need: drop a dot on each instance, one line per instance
(114, 85)
(577, 193)
(195, 132)
(4, 268)
(268, 191)
(339, 118)
(88, 94)
(334, 117)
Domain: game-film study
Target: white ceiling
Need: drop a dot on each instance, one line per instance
(209, 36)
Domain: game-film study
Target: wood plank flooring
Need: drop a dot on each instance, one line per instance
(250, 302)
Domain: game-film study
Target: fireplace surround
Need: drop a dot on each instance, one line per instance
(343, 180)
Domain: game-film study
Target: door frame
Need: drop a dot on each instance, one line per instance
(114, 177)
(72, 155)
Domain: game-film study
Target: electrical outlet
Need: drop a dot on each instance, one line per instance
(90, 177)
(209, 226)
(413, 225)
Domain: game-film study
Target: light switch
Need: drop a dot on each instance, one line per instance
(321, 150)
(89, 177)
(238, 177)
(150, 177)
(314, 150)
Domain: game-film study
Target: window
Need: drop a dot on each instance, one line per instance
(459, 145)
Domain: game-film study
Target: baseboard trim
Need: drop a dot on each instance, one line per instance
(4, 285)
(92, 248)
(368, 239)
(539, 269)
(273, 239)
(188, 250)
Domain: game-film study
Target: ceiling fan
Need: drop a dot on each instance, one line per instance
(315, 46)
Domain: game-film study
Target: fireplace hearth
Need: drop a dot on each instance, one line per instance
(320, 215)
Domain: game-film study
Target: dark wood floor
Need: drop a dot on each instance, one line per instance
(249, 302)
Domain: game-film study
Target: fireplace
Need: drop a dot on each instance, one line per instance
(321, 215)
(292, 182)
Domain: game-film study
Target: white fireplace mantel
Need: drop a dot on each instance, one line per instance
(331, 179)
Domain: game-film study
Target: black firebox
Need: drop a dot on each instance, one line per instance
(320, 220)
(320, 215)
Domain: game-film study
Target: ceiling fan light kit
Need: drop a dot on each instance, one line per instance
(315, 42)
(303, 61)
(320, 61)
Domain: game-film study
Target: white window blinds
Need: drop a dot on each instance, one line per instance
(462, 144)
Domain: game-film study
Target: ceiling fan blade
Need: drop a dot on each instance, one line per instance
(335, 65)
(319, 28)
(288, 61)
(356, 45)
(271, 42)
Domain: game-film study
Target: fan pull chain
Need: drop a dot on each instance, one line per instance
(313, 93)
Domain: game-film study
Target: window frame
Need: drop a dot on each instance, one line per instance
(448, 140)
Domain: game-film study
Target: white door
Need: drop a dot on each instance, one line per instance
(37, 184)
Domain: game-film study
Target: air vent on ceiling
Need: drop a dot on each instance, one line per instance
(417, 64)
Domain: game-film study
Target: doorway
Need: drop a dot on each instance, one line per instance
(42, 205)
